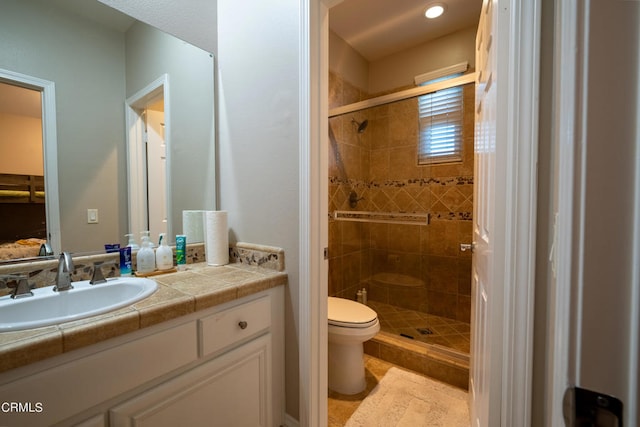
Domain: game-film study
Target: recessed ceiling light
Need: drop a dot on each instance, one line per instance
(434, 10)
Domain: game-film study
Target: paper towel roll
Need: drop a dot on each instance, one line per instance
(193, 226)
(216, 241)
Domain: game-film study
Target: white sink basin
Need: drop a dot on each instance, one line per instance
(47, 307)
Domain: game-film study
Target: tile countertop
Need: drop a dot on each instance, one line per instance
(181, 293)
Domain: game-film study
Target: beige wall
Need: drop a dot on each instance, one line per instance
(21, 145)
(346, 62)
(398, 70)
(259, 142)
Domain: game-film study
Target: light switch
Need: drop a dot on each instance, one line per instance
(92, 216)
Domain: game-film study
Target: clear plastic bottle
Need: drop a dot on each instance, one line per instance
(146, 259)
(164, 254)
(131, 242)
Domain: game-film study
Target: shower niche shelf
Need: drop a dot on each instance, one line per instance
(415, 218)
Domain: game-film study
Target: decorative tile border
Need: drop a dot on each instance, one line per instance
(270, 257)
(417, 182)
(445, 198)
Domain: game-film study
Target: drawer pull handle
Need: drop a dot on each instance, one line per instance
(242, 324)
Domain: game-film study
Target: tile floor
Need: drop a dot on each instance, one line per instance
(423, 327)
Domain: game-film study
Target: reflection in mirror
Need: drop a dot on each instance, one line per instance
(28, 226)
(22, 208)
(98, 58)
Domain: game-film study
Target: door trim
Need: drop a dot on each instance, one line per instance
(522, 69)
(136, 154)
(566, 124)
(313, 224)
(49, 149)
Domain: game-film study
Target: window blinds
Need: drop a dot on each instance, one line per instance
(441, 116)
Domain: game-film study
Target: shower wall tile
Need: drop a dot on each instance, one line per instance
(464, 276)
(335, 91)
(407, 264)
(404, 238)
(464, 309)
(335, 245)
(335, 276)
(443, 239)
(443, 273)
(442, 304)
(407, 297)
(381, 166)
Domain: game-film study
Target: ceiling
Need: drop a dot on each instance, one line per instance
(378, 28)
(97, 12)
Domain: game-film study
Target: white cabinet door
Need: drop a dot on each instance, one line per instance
(230, 390)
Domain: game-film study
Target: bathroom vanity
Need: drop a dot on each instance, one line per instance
(206, 349)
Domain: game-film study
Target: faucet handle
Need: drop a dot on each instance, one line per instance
(19, 283)
(98, 276)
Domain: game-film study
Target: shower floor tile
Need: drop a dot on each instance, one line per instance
(423, 327)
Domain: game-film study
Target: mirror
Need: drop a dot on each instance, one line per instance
(99, 58)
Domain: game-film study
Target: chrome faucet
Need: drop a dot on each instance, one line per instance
(21, 286)
(65, 268)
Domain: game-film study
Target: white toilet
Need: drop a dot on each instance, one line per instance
(350, 325)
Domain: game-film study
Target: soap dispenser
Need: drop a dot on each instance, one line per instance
(131, 242)
(164, 254)
(146, 261)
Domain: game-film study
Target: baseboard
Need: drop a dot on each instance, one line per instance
(289, 421)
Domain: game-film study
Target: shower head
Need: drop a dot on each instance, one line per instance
(361, 125)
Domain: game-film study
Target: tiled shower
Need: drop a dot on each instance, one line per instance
(416, 276)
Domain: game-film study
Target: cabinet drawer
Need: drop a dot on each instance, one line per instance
(233, 325)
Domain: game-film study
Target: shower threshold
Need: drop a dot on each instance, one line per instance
(441, 363)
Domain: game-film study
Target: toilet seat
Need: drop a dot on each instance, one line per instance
(350, 314)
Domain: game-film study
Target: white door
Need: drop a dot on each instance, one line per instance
(483, 281)
(505, 177)
(156, 171)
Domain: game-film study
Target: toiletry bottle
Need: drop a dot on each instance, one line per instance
(164, 254)
(364, 296)
(147, 234)
(181, 251)
(146, 261)
(131, 242)
(359, 296)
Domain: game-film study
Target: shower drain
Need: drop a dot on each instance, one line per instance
(424, 331)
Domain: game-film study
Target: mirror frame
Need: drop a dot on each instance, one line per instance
(49, 148)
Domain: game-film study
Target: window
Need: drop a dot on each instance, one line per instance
(441, 116)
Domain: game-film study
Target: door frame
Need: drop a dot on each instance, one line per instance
(520, 130)
(571, 289)
(136, 153)
(49, 149)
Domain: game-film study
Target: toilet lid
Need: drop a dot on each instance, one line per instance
(348, 313)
